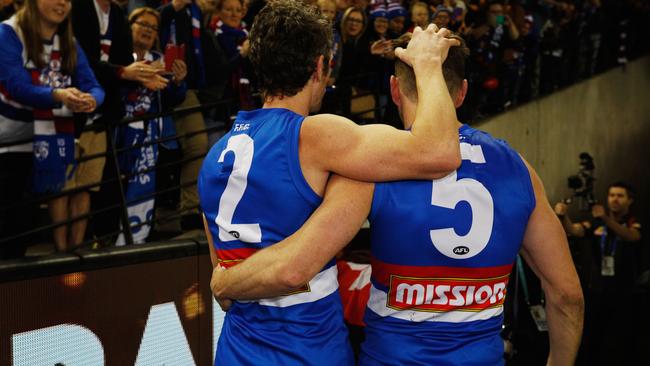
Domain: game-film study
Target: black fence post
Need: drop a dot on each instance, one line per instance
(124, 213)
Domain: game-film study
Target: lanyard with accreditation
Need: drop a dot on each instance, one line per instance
(607, 260)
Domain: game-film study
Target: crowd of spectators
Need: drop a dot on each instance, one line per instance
(520, 49)
(124, 59)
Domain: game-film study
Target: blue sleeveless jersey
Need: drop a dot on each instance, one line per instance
(254, 195)
(442, 254)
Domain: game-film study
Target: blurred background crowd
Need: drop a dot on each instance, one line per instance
(107, 109)
(126, 97)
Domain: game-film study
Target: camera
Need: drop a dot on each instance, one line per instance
(582, 183)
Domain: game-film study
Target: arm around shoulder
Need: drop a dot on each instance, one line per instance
(293, 262)
(374, 153)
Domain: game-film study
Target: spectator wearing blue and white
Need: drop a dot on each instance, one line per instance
(102, 30)
(232, 35)
(396, 19)
(140, 160)
(44, 78)
(181, 26)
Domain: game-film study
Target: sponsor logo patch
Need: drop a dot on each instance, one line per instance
(446, 294)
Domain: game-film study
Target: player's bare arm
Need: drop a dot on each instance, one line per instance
(294, 261)
(546, 250)
(379, 152)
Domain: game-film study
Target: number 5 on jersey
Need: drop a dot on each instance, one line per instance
(243, 148)
(448, 192)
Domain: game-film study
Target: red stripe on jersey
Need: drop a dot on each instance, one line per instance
(443, 294)
(235, 255)
(442, 289)
(382, 271)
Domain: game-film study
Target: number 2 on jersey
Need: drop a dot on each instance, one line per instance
(243, 148)
(448, 192)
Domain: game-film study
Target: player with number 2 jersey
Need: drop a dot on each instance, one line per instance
(252, 184)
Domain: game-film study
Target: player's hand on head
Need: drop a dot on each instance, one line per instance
(427, 46)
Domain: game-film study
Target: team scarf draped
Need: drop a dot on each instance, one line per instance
(105, 42)
(231, 39)
(140, 161)
(53, 128)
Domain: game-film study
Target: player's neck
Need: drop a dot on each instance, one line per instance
(408, 114)
(298, 103)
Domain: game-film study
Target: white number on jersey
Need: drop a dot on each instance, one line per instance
(243, 147)
(448, 192)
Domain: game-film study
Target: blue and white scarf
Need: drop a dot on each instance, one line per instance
(139, 162)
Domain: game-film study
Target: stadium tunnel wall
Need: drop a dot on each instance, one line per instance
(607, 116)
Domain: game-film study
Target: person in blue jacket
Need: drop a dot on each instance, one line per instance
(44, 79)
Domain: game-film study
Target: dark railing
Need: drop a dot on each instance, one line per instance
(367, 84)
(223, 107)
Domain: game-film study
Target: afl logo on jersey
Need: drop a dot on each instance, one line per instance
(461, 250)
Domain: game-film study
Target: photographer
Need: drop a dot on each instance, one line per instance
(611, 296)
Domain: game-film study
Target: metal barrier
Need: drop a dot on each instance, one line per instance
(371, 81)
(223, 107)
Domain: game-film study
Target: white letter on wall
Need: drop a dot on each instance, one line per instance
(164, 341)
(69, 344)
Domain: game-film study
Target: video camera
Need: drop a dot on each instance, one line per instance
(582, 183)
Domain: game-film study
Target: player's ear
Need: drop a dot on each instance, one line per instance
(460, 95)
(394, 91)
(320, 68)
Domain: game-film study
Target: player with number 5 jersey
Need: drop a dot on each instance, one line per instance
(442, 249)
(265, 177)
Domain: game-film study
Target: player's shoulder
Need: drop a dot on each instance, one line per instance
(325, 120)
(493, 146)
(318, 129)
(215, 151)
(475, 136)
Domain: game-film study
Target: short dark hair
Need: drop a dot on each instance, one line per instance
(453, 68)
(286, 40)
(625, 185)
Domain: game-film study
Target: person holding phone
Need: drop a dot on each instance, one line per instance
(102, 30)
(181, 28)
(139, 100)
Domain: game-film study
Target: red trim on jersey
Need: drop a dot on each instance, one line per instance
(235, 254)
(382, 271)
